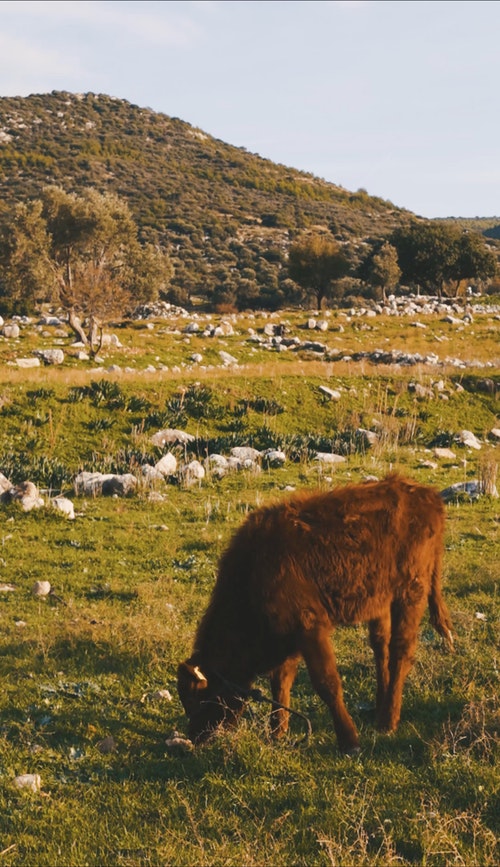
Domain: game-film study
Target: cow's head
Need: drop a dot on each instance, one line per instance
(207, 700)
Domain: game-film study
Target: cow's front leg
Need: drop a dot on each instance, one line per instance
(316, 647)
(282, 679)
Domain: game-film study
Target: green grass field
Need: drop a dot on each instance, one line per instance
(84, 672)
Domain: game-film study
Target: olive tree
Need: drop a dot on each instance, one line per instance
(82, 253)
(316, 263)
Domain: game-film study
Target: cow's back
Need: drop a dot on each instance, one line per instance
(346, 553)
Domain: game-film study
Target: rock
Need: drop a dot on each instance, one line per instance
(217, 465)
(28, 495)
(311, 324)
(50, 356)
(162, 695)
(467, 438)
(191, 473)
(495, 433)
(5, 485)
(64, 505)
(273, 458)
(237, 464)
(167, 465)
(421, 391)
(32, 782)
(7, 588)
(50, 320)
(332, 393)
(12, 332)
(111, 340)
(41, 589)
(93, 484)
(227, 359)
(171, 435)
(27, 362)
(196, 358)
(151, 474)
(176, 743)
(328, 458)
(121, 486)
(245, 453)
(429, 465)
(370, 438)
(191, 328)
(473, 489)
(444, 453)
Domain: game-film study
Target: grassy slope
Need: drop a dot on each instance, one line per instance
(131, 578)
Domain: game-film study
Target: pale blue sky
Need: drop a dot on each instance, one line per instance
(400, 97)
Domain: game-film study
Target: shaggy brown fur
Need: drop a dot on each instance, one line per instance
(292, 572)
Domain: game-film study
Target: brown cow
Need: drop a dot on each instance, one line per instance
(292, 572)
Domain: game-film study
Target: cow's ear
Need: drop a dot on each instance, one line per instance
(190, 681)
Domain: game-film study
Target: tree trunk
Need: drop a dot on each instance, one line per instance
(95, 336)
(76, 325)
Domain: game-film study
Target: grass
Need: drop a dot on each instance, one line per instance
(131, 578)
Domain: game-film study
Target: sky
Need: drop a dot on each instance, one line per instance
(397, 97)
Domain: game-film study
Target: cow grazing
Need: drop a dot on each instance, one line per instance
(293, 572)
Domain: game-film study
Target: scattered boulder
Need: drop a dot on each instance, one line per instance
(31, 782)
(28, 495)
(217, 465)
(369, 437)
(444, 453)
(171, 436)
(191, 473)
(167, 465)
(467, 438)
(473, 489)
(64, 505)
(151, 474)
(332, 393)
(50, 356)
(94, 484)
(12, 331)
(329, 459)
(25, 363)
(5, 486)
(273, 458)
(119, 485)
(245, 453)
(227, 359)
(41, 589)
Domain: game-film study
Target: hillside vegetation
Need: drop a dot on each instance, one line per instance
(217, 208)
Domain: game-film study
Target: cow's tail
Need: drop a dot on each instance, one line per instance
(438, 610)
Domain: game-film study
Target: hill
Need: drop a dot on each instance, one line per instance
(225, 214)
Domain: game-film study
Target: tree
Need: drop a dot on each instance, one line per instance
(438, 255)
(82, 253)
(475, 261)
(316, 263)
(26, 277)
(381, 268)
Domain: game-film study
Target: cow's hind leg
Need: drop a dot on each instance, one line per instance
(282, 679)
(317, 650)
(404, 634)
(380, 636)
